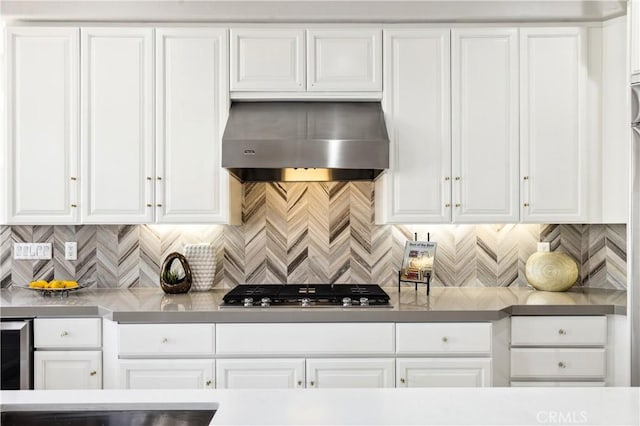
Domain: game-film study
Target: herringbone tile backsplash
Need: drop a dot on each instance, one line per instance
(315, 233)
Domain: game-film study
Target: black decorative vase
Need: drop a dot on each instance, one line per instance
(181, 286)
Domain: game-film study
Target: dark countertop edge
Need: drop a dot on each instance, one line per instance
(53, 311)
(228, 316)
(242, 316)
(516, 310)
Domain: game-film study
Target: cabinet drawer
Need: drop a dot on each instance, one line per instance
(289, 339)
(559, 331)
(439, 338)
(557, 384)
(67, 333)
(166, 339)
(558, 363)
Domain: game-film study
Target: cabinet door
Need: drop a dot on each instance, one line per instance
(552, 124)
(267, 59)
(42, 124)
(260, 373)
(417, 186)
(166, 374)
(344, 60)
(634, 27)
(350, 373)
(117, 125)
(443, 372)
(485, 125)
(191, 110)
(67, 370)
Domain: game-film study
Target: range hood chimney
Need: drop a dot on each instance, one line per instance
(305, 141)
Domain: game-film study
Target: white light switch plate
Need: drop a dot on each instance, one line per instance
(71, 250)
(31, 251)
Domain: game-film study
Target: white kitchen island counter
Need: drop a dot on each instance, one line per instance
(425, 406)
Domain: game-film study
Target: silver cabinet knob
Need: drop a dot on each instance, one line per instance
(159, 205)
(526, 178)
(526, 204)
(346, 301)
(312, 383)
(457, 177)
(74, 205)
(93, 373)
(448, 205)
(562, 332)
(165, 340)
(159, 178)
(208, 383)
(299, 382)
(445, 339)
(402, 380)
(447, 178)
(148, 177)
(562, 365)
(64, 333)
(74, 178)
(149, 205)
(457, 204)
(265, 301)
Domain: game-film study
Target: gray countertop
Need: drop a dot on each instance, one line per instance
(151, 305)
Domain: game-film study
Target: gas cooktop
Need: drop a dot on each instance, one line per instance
(307, 295)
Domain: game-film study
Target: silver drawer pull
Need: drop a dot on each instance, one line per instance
(312, 383)
(165, 340)
(402, 380)
(64, 333)
(93, 373)
(562, 332)
(562, 365)
(445, 339)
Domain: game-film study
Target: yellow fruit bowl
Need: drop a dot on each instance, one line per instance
(47, 288)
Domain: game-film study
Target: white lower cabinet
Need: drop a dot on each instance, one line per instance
(166, 373)
(260, 373)
(67, 370)
(560, 350)
(350, 373)
(443, 372)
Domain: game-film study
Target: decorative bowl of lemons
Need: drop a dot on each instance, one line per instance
(47, 288)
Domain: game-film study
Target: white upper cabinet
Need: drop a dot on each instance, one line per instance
(416, 101)
(344, 60)
(191, 111)
(42, 125)
(634, 33)
(117, 125)
(552, 124)
(485, 125)
(267, 60)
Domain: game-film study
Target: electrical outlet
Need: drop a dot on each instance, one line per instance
(544, 247)
(71, 250)
(31, 251)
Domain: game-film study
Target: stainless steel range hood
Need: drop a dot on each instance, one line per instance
(305, 141)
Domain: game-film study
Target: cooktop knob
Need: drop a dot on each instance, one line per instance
(305, 301)
(364, 301)
(265, 302)
(248, 301)
(346, 302)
